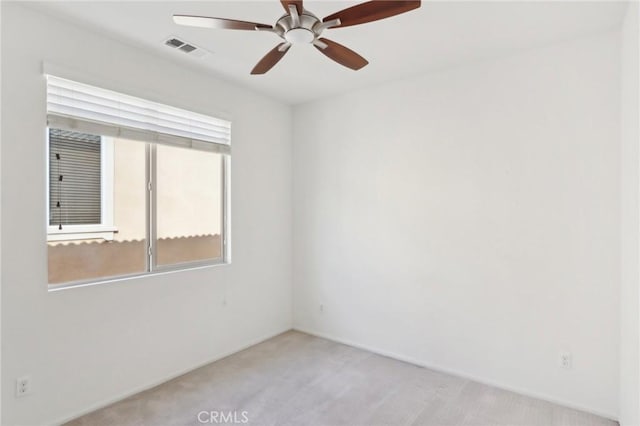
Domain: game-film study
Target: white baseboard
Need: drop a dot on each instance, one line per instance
(461, 374)
(138, 389)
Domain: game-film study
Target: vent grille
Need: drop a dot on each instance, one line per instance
(185, 47)
(174, 42)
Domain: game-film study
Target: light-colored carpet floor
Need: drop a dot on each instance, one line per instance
(296, 379)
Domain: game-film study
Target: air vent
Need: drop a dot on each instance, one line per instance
(187, 48)
(174, 42)
(183, 46)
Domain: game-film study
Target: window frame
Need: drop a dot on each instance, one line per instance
(152, 214)
(103, 230)
(67, 108)
(151, 220)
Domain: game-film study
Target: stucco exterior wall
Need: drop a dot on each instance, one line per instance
(188, 187)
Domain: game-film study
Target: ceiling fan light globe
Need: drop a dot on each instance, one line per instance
(299, 35)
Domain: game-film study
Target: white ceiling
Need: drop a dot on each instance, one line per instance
(439, 34)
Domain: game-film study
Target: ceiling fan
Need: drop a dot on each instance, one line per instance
(299, 26)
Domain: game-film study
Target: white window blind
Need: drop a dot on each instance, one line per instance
(80, 107)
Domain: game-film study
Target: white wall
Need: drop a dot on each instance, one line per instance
(630, 219)
(85, 346)
(468, 220)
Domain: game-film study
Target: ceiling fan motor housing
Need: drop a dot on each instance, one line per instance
(302, 31)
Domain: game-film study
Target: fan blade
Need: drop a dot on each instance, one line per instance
(371, 11)
(342, 55)
(219, 23)
(271, 58)
(296, 3)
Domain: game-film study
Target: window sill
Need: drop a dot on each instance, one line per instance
(123, 278)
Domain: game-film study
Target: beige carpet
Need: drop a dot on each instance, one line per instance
(296, 379)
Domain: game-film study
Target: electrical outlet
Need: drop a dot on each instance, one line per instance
(565, 360)
(23, 386)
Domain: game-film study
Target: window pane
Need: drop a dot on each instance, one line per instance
(74, 178)
(118, 246)
(189, 209)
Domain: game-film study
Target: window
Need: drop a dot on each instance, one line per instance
(80, 186)
(134, 187)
